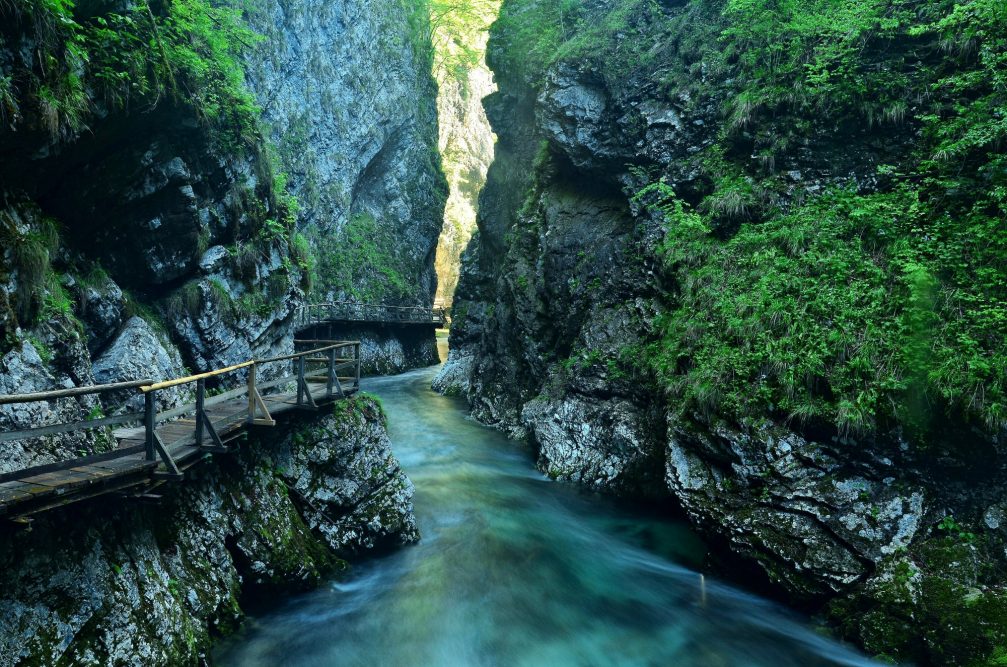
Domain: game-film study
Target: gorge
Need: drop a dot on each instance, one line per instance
(737, 289)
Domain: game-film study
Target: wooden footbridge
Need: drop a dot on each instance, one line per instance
(154, 447)
(346, 312)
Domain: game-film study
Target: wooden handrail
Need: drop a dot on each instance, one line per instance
(167, 384)
(371, 312)
(70, 393)
(257, 411)
(323, 374)
(149, 385)
(296, 355)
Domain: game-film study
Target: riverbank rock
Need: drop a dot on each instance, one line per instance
(119, 583)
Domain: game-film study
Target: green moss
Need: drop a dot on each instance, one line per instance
(187, 49)
(362, 262)
(934, 605)
(136, 308)
(186, 301)
(360, 408)
(45, 353)
(32, 249)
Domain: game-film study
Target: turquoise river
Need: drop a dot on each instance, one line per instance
(514, 569)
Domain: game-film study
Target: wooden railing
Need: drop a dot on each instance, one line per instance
(321, 363)
(347, 311)
(69, 427)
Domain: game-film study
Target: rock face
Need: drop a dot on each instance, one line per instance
(125, 584)
(813, 522)
(354, 493)
(350, 102)
(466, 144)
(562, 292)
(23, 371)
(138, 352)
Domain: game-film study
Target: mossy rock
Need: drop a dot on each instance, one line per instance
(930, 607)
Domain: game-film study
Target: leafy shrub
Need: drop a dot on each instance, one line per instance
(856, 309)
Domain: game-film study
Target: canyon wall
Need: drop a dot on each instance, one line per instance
(350, 103)
(701, 278)
(170, 182)
(466, 138)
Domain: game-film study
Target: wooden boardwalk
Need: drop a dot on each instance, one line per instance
(346, 312)
(167, 444)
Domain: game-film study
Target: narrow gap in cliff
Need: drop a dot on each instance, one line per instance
(461, 33)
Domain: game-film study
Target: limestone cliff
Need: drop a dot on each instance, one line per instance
(466, 138)
(680, 269)
(349, 102)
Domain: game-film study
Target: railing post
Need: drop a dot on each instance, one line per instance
(200, 413)
(251, 393)
(149, 412)
(356, 353)
(332, 372)
(300, 379)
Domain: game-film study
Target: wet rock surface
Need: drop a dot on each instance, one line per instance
(809, 515)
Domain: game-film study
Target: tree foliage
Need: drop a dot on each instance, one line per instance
(457, 28)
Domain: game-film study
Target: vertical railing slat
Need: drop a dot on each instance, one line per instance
(149, 413)
(332, 372)
(251, 393)
(200, 410)
(300, 379)
(356, 354)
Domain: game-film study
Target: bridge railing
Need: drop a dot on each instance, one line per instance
(322, 363)
(348, 311)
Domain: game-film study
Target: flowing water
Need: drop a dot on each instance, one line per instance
(514, 569)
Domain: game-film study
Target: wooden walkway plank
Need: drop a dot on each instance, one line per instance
(13, 491)
(22, 490)
(100, 474)
(61, 480)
